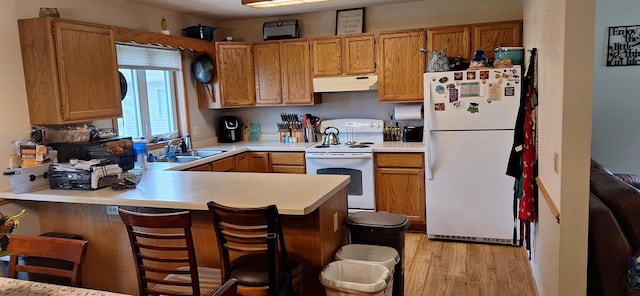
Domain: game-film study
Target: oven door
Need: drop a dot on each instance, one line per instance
(359, 166)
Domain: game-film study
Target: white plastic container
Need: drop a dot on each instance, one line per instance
(384, 256)
(343, 278)
(381, 255)
(24, 180)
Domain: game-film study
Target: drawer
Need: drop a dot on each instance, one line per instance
(399, 160)
(288, 169)
(224, 165)
(287, 158)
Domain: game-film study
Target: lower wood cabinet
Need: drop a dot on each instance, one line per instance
(288, 162)
(201, 168)
(400, 186)
(257, 162)
(224, 165)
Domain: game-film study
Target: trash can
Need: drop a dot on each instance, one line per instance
(370, 254)
(382, 229)
(346, 278)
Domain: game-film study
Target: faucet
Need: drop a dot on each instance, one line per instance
(172, 146)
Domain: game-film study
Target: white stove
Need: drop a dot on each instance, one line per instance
(356, 135)
(352, 157)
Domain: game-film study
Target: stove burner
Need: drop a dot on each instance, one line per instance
(322, 146)
(359, 146)
(366, 143)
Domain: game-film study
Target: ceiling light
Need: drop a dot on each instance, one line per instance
(276, 3)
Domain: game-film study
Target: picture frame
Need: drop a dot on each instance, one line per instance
(350, 21)
(622, 46)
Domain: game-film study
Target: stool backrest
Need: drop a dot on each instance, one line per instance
(71, 250)
(242, 231)
(163, 252)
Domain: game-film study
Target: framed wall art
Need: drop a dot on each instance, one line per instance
(623, 48)
(350, 21)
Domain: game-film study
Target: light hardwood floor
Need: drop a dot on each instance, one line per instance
(463, 269)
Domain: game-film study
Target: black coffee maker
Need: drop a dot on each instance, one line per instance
(229, 129)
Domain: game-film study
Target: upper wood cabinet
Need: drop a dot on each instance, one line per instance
(465, 39)
(296, 73)
(268, 75)
(459, 38)
(488, 36)
(343, 55)
(233, 83)
(400, 66)
(70, 69)
(283, 73)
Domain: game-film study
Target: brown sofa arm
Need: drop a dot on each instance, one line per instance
(631, 179)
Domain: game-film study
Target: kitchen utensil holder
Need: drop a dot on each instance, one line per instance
(299, 134)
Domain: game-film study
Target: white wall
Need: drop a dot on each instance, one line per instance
(563, 33)
(616, 94)
(411, 15)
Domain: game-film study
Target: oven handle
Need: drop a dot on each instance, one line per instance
(340, 156)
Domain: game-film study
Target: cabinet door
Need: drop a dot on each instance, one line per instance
(259, 162)
(459, 41)
(491, 35)
(201, 168)
(88, 71)
(326, 56)
(242, 162)
(266, 60)
(235, 84)
(358, 55)
(400, 68)
(296, 72)
(288, 162)
(401, 190)
(224, 165)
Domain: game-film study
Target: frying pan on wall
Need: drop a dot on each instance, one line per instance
(202, 68)
(123, 86)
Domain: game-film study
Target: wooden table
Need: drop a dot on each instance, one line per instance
(15, 287)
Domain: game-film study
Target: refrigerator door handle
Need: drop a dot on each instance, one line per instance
(427, 156)
(428, 112)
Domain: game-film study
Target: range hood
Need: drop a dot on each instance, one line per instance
(345, 83)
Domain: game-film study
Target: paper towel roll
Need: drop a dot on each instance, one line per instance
(407, 112)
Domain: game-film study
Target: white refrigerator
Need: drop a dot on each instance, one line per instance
(468, 131)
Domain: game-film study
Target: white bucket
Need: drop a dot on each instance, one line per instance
(344, 278)
(24, 180)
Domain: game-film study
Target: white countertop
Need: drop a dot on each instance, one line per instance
(293, 194)
(398, 146)
(165, 185)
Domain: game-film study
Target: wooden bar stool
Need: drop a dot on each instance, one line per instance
(165, 257)
(71, 250)
(252, 250)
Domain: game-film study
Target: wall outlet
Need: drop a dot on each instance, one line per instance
(335, 221)
(112, 210)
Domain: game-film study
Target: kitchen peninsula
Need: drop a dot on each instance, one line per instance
(313, 208)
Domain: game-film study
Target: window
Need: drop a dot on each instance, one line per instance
(149, 109)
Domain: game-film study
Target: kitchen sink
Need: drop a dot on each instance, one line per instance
(200, 153)
(189, 156)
